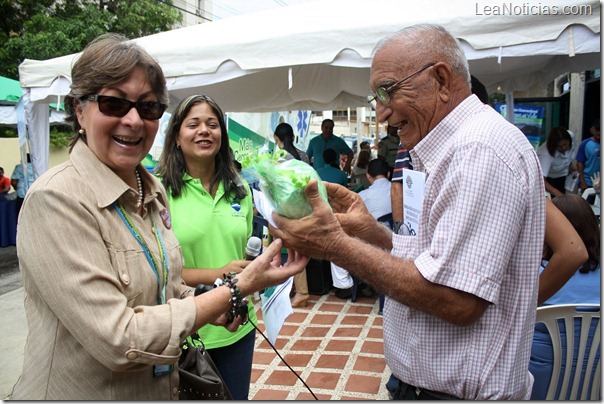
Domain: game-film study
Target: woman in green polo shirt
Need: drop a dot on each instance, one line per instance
(212, 215)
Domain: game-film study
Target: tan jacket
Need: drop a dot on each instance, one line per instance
(95, 329)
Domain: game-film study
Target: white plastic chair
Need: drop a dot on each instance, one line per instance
(596, 203)
(551, 316)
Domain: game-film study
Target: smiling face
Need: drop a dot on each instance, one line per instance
(120, 143)
(413, 104)
(200, 135)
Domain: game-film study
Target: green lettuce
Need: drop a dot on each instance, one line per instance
(283, 182)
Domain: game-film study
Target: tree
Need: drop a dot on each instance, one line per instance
(45, 29)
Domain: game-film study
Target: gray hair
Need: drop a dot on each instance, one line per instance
(433, 41)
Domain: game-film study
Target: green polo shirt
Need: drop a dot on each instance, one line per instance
(213, 232)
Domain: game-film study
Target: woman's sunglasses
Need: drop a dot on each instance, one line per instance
(119, 107)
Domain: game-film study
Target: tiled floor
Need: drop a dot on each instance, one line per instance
(335, 346)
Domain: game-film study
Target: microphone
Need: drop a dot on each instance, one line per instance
(253, 248)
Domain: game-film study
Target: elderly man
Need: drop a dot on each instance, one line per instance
(462, 293)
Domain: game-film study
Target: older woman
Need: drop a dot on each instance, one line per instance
(101, 266)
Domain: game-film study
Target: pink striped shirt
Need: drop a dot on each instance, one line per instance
(481, 231)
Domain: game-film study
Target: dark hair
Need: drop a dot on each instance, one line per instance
(479, 90)
(556, 135)
(172, 166)
(595, 124)
(363, 158)
(107, 60)
(378, 167)
(285, 133)
(330, 157)
(365, 143)
(325, 121)
(579, 213)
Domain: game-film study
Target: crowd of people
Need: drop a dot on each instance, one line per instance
(110, 299)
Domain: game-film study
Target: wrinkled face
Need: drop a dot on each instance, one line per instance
(120, 143)
(563, 145)
(412, 105)
(200, 134)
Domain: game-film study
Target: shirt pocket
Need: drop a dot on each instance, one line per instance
(135, 277)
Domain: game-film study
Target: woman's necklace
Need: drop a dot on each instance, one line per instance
(139, 203)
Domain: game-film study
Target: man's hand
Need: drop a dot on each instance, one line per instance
(350, 211)
(316, 234)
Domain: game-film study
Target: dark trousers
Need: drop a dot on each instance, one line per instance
(558, 183)
(400, 390)
(235, 365)
(18, 206)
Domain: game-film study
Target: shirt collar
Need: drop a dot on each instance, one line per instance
(191, 181)
(107, 186)
(380, 182)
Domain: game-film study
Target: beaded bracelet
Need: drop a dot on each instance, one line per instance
(238, 302)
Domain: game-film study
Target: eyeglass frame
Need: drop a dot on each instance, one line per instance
(131, 104)
(394, 86)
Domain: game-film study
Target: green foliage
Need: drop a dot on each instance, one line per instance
(60, 136)
(496, 97)
(45, 29)
(7, 131)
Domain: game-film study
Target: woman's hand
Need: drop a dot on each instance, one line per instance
(232, 326)
(266, 270)
(234, 266)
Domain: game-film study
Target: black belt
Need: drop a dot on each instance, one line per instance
(405, 391)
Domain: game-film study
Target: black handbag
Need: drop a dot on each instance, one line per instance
(199, 376)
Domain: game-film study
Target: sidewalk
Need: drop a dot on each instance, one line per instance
(13, 331)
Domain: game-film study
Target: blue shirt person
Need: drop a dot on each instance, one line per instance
(325, 141)
(330, 172)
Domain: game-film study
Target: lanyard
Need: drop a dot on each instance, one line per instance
(161, 298)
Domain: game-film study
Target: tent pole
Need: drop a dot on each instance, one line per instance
(509, 102)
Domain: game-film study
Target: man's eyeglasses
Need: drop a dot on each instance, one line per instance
(382, 94)
(119, 107)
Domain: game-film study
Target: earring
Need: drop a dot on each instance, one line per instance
(82, 132)
(178, 146)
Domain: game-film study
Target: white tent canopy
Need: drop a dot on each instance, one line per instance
(316, 56)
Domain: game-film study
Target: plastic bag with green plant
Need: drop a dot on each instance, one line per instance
(283, 182)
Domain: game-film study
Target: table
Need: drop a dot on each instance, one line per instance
(8, 223)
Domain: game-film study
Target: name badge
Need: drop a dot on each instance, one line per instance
(162, 370)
